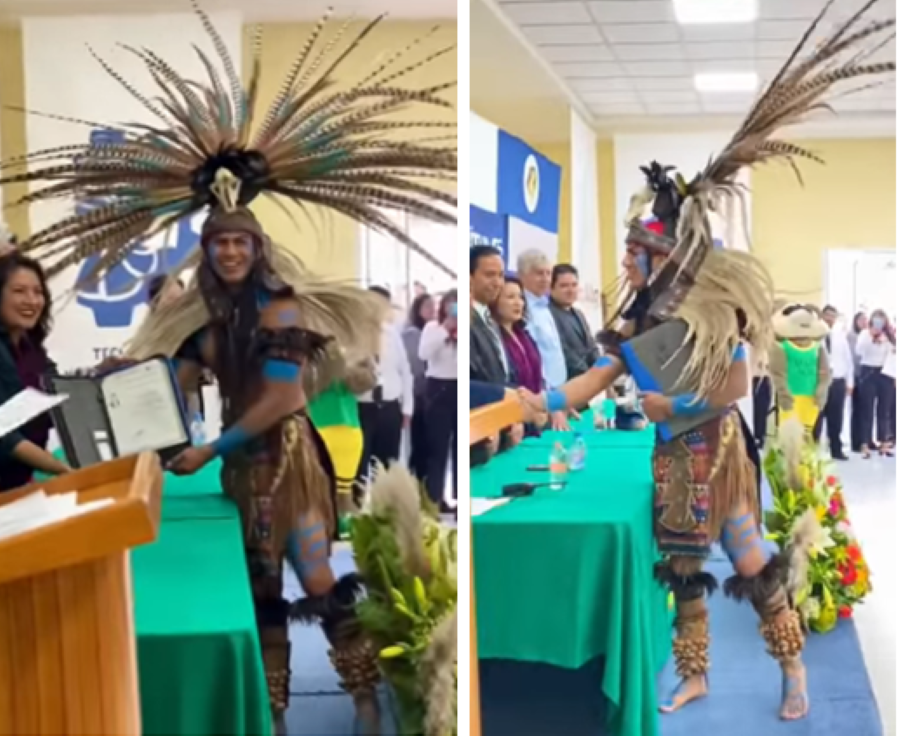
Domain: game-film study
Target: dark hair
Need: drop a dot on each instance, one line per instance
(561, 269)
(156, 285)
(381, 291)
(477, 252)
(829, 308)
(446, 300)
(856, 327)
(888, 328)
(13, 262)
(415, 311)
(513, 280)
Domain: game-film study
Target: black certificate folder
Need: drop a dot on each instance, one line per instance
(130, 410)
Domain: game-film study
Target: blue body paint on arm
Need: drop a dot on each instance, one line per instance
(230, 441)
(687, 405)
(604, 361)
(740, 353)
(556, 400)
(281, 371)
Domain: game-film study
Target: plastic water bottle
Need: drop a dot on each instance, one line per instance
(559, 466)
(577, 453)
(198, 430)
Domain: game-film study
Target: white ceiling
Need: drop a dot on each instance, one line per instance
(629, 60)
(253, 10)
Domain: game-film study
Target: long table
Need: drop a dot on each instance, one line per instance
(565, 575)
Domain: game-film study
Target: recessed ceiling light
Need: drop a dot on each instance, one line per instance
(745, 82)
(689, 12)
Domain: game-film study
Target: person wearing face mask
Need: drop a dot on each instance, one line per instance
(25, 322)
(438, 348)
(874, 347)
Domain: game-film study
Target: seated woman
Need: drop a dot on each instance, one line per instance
(522, 355)
(25, 321)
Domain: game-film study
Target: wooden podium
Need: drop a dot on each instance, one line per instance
(68, 663)
(484, 422)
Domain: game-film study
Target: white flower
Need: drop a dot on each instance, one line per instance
(820, 541)
(810, 609)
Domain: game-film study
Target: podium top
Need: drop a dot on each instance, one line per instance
(134, 484)
(487, 421)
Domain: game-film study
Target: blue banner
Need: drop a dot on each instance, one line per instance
(528, 184)
(489, 228)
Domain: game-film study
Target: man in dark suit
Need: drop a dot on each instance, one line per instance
(579, 348)
(487, 360)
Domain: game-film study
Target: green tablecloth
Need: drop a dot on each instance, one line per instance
(199, 662)
(605, 439)
(564, 576)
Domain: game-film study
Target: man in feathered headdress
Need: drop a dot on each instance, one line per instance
(681, 333)
(272, 333)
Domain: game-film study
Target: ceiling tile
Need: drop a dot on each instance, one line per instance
(670, 95)
(726, 66)
(642, 33)
(653, 84)
(719, 32)
(618, 110)
(722, 50)
(554, 35)
(735, 107)
(577, 53)
(605, 84)
(794, 9)
(673, 108)
(589, 70)
(633, 11)
(556, 14)
(781, 30)
(649, 51)
(610, 98)
(656, 68)
(775, 49)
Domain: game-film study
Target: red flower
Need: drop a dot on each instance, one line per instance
(834, 507)
(854, 552)
(831, 480)
(845, 612)
(848, 574)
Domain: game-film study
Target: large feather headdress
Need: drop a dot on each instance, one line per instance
(802, 87)
(213, 145)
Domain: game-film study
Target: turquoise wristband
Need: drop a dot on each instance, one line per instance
(230, 441)
(687, 405)
(604, 361)
(556, 400)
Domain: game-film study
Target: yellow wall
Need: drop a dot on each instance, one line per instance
(606, 191)
(12, 124)
(848, 203)
(328, 242)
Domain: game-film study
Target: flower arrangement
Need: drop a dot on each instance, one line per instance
(408, 561)
(837, 576)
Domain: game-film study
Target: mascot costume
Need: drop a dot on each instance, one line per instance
(799, 365)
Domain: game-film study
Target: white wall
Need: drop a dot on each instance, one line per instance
(690, 153)
(482, 163)
(62, 78)
(586, 218)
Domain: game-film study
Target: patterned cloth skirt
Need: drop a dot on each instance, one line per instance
(701, 477)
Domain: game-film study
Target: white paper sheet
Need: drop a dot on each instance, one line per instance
(37, 510)
(25, 406)
(144, 411)
(483, 505)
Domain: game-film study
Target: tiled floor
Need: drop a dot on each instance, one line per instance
(871, 492)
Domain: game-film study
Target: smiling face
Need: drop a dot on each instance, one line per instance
(22, 301)
(510, 305)
(232, 255)
(565, 289)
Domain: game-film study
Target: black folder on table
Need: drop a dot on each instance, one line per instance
(656, 359)
(124, 412)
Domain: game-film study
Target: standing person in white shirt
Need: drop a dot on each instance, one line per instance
(386, 410)
(438, 348)
(535, 273)
(874, 347)
(842, 381)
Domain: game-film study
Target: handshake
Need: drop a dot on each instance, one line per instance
(534, 410)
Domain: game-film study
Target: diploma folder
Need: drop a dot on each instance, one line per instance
(130, 410)
(656, 360)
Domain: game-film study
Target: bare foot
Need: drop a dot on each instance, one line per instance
(794, 699)
(692, 688)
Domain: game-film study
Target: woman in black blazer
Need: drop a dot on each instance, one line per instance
(25, 320)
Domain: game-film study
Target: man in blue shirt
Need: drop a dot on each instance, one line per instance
(535, 271)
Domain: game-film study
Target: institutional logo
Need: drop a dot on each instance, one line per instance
(531, 183)
(113, 299)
